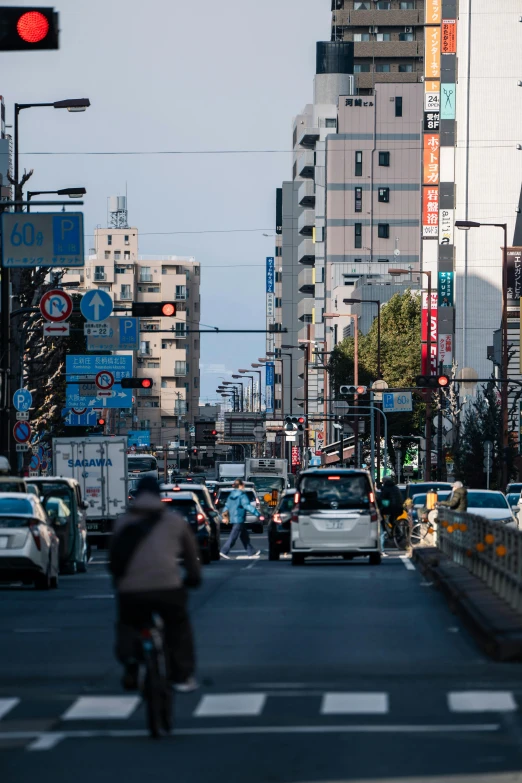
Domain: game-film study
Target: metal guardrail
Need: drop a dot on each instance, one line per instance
(491, 551)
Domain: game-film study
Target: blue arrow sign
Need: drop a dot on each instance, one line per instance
(96, 305)
(78, 366)
(87, 419)
(22, 399)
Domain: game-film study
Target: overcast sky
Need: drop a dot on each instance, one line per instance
(180, 75)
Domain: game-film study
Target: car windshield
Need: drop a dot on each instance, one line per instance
(287, 503)
(486, 500)
(142, 463)
(265, 484)
(420, 500)
(251, 495)
(186, 508)
(515, 488)
(333, 492)
(419, 489)
(12, 486)
(15, 506)
(513, 498)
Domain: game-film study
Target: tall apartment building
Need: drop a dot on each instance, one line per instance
(388, 38)
(169, 354)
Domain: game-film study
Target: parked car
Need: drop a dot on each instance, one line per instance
(254, 523)
(205, 499)
(514, 500)
(29, 546)
(279, 526)
(335, 515)
(420, 509)
(490, 504)
(514, 487)
(423, 487)
(188, 505)
(62, 500)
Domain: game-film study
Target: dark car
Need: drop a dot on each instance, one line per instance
(187, 504)
(279, 526)
(63, 503)
(205, 499)
(423, 487)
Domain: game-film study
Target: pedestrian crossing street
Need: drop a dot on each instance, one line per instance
(304, 705)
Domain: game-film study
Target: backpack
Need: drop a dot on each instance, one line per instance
(124, 544)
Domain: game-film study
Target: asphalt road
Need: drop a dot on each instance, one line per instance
(334, 671)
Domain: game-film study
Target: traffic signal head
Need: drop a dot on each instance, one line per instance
(353, 389)
(101, 422)
(137, 383)
(150, 309)
(24, 28)
(295, 423)
(432, 381)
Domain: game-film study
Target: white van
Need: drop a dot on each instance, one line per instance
(335, 514)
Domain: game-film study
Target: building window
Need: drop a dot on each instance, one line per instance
(126, 239)
(144, 424)
(277, 377)
(126, 255)
(398, 106)
(361, 6)
(361, 37)
(330, 122)
(384, 158)
(126, 292)
(99, 273)
(383, 68)
(279, 277)
(358, 164)
(278, 405)
(384, 195)
(358, 235)
(145, 348)
(152, 365)
(407, 5)
(196, 382)
(383, 260)
(383, 5)
(383, 230)
(405, 36)
(117, 255)
(383, 36)
(356, 261)
(196, 271)
(196, 345)
(164, 384)
(361, 68)
(358, 199)
(107, 254)
(145, 275)
(153, 289)
(406, 68)
(109, 239)
(278, 302)
(279, 251)
(181, 292)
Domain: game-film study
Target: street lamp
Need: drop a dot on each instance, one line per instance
(238, 383)
(71, 192)
(250, 377)
(355, 318)
(255, 366)
(466, 225)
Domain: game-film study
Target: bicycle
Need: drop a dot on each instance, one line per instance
(399, 531)
(157, 691)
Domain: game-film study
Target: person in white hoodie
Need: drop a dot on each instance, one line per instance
(147, 545)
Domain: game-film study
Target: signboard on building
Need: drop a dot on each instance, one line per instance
(279, 210)
(446, 226)
(449, 36)
(448, 94)
(433, 11)
(445, 289)
(269, 386)
(42, 239)
(432, 100)
(270, 275)
(446, 350)
(432, 53)
(431, 159)
(430, 212)
(429, 366)
(431, 121)
(514, 273)
(296, 456)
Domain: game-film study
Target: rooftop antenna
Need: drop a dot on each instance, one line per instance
(118, 217)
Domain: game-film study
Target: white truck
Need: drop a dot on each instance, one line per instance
(99, 464)
(229, 471)
(269, 477)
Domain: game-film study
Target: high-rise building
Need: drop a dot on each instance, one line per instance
(388, 37)
(169, 349)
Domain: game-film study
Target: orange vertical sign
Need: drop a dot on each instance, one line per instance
(449, 36)
(431, 159)
(432, 53)
(430, 212)
(433, 11)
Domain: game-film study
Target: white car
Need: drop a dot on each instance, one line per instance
(490, 504)
(28, 543)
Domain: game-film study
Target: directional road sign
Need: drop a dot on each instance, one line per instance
(96, 305)
(56, 305)
(35, 462)
(104, 380)
(22, 431)
(113, 334)
(42, 239)
(78, 368)
(22, 399)
(87, 418)
(56, 330)
(397, 402)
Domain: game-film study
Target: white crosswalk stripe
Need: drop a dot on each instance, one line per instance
(355, 704)
(231, 704)
(102, 708)
(6, 705)
(482, 701)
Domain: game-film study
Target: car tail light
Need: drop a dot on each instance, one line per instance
(374, 516)
(372, 498)
(35, 532)
(295, 515)
(277, 519)
(200, 517)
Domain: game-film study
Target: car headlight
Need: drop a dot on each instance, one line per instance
(505, 520)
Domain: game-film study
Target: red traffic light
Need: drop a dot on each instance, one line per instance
(101, 422)
(32, 27)
(168, 309)
(432, 381)
(443, 381)
(23, 28)
(146, 383)
(301, 420)
(214, 432)
(136, 383)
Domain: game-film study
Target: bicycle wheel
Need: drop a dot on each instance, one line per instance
(400, 535)
(417, 534)
(153, 694)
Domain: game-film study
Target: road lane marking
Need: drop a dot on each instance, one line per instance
(102, 707)
(228, 704)
(407, 563)
(91, 597)
(482, 701)
(355, 704)
(6, 705)
(47, 741)
(248, 567)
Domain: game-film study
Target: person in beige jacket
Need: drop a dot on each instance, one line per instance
(153, 583)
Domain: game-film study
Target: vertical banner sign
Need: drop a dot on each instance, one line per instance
(431, 159)
(520, 428)
(296, 456)
(449, 36)
(433, 11)
(448, 94)
(279, 210)
(446, 223)
(270, 301)
(446, 350)
(269, 384)
(514, 273)
(429, 366)
(446, 296)
(430, 212)
(432, 53)
(270, 275)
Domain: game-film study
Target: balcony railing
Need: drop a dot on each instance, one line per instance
(99, 277)
(145, 278)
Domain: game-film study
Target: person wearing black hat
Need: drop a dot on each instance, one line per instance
(148, 543)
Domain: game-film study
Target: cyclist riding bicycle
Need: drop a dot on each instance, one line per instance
(391, 503)
(147, 545)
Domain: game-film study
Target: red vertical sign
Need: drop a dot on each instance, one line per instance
(429, 366)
